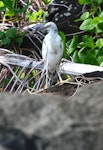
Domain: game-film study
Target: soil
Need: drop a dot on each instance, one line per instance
(65, 89)
(69, 88)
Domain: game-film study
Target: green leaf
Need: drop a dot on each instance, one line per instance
(33, 17)
(96, 20)
(88, 41)
(73, 45)
(9, 13)
(62, 35)
(76, 57)
(88, 24)
(8, 3)
(99, 56)
(99, 43)
(11, 33)
(100, 26)
(46, 1)
(19, 40)
(22, 76)
(87, 56)
(37, 16)
(2, 9)
(99, 1)
(21, 34)
(85, 15)
(101, 14)
(1, 4)
(1, 34)
(81, 2)
(6, 41)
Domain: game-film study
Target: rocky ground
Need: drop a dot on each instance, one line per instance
(47, 122)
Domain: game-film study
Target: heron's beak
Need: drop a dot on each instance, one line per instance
(35, 27)
(42, 27)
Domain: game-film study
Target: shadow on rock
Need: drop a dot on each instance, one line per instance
(14, 139)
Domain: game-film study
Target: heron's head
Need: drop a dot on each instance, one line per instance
(48, 27)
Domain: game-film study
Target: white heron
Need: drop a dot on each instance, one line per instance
(52, 50)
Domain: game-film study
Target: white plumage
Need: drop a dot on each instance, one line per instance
(52, 49)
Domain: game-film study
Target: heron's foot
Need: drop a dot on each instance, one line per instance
(46, 86)
(63, 81)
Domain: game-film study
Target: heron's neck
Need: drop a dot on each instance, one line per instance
(53, 31)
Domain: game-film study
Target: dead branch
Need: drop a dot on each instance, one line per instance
(66, 67)
(19, 65)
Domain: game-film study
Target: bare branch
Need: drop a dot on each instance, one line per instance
(66, 67)
(18, 65)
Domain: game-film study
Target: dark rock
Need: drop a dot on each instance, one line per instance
(15, 139)
(64, 13)
(50, 122)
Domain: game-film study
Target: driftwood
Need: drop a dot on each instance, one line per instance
(66, 67)
(25, 65)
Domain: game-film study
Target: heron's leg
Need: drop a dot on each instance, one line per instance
(59, 75)
(60, 78)
(47, 77)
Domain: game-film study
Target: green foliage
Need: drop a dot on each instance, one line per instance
(11, 12)
(90, 2)
(95, 24)
(87, 51)
(11, 9)
(40, 15)
(10, 37)
(73, 45)
(64, 43)
(93, 20)
(89, 48)
(46, 1)
(84, 2)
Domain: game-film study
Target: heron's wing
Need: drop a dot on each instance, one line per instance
(44, 50)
